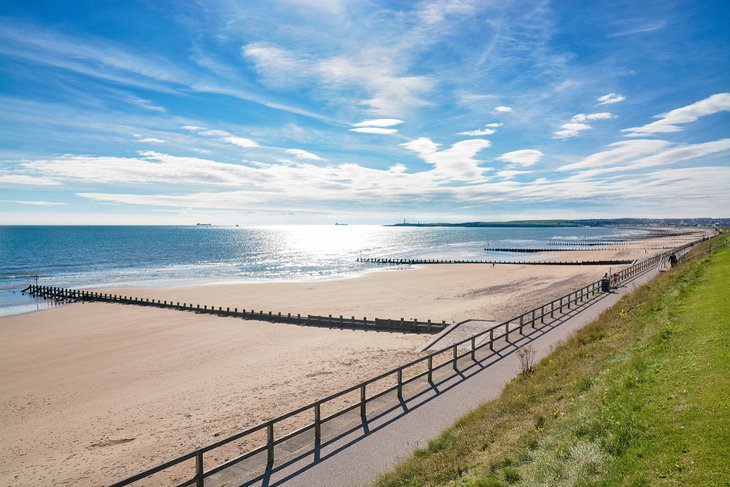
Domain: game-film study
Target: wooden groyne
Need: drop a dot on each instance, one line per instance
(402, 325)
(529, 250)
(398, 261)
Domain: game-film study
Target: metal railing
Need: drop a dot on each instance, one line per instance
(468, 347)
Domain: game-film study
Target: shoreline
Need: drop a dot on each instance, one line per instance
(95, 392)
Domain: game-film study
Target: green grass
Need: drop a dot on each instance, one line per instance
(639, 397)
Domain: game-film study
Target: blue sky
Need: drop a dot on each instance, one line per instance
(304, 111)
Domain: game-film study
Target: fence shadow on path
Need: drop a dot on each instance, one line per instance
(396, 409)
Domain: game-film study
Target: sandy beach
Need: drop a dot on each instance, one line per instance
(93, 393)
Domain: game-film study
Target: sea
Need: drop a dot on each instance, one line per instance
(94, 256)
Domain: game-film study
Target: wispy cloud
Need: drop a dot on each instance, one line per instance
(582, 117)
(639, 28)
(577, 124)
(149, 140)
(618, 152)
(32, 202)
(477, 133)
(610, 99)
(108, 61)
(224, 135)
(510, 173)
(380, 122)
(457, 163)
(390, 91)
(671, 121)
(524, 157)
(374, 130)
(26, 180)
(502, 109)
(571, 129)
(303, 154)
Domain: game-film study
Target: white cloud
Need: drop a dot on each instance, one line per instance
(510, 173)
(582, 117)
(152, 140)
(456, 163)
(25, 180)
(672, 155)
(481, 132)
(32, 202)
(436, 12)
(524, 157)
(374, 130)
(610, 99)
(240, 141)
(502, 109)
(375, 72)
(670, 121)
(577, 124)
(467, 99)
(494, 125)
(571, 129)
(422, 146)
(226, 136)
(302, 154)
(617, 153)
(380, 122)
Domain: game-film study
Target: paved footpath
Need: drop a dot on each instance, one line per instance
(357, 458)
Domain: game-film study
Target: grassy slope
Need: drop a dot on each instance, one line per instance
(639, 397)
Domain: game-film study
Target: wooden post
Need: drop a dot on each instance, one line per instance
(317, 425)
(400, 384)
(270, 443)
(199, 467)
(430, 369)
(473, 349)
(522, 323)
(363, 408)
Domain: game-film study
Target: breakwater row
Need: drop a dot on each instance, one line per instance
(399, 261)
(401, 325)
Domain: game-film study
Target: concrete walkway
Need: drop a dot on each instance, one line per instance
(358, 453)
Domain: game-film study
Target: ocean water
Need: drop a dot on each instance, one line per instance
(88, 256)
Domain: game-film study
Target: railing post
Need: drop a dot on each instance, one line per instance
(491, 339)
(454, 353)
(363, 409)
(430, 369)
(400, 384)
(522, 324)
(473, 349)
(199, 467)
(270, 443)
(317, 426)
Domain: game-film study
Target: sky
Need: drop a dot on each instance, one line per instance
(365, 112)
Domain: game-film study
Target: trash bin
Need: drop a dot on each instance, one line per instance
(606, 284)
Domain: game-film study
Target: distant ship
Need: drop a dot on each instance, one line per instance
(203, 224)
(340, 224)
